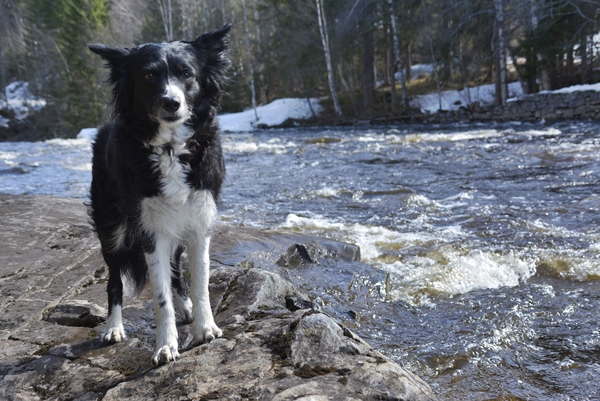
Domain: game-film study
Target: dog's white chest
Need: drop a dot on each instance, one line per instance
(173, 185)
(180, 210)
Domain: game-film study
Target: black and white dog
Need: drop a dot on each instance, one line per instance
(157, 171)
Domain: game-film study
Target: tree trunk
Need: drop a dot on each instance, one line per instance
(392, 69)
(438, 84)
(325, 40)
(544, 78)
(408, 66)
(248, 51)
(367, 60)
(585, 76)
(170, 13)
(183, 21)
(167, 18)
(399, 65)
(513, 57)
(502, 84)
(261, 65)
(569, 67)
(345, 86)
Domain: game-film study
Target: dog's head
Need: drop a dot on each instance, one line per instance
(165, 85)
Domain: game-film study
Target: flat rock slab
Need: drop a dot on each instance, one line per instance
(277, 344)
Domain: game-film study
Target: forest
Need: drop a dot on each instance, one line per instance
(355, 54)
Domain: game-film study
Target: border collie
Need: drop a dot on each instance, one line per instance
(157, 171)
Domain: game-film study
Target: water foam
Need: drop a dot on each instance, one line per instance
(443, 137)
(449, 271)
(327, 192)
(374, 241)
(446, 264)
(247, 144)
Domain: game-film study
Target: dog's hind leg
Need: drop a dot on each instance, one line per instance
(183, 302)
(114, 331)
(159, 267)
(203, 325)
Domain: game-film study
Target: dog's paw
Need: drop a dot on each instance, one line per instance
(165, 354)
(206, 333)
(113, 335)
(184, 307)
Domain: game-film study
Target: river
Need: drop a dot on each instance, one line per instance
(483, 239)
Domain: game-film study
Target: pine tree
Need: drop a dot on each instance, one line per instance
(66, 26)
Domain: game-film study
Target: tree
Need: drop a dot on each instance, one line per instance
(397, 53)
(501, 79)
(166, 13)
(63, 28)
(248, 52)
(325, 39)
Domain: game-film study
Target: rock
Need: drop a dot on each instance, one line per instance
(298, 255)
(74, 315)
(278, 342)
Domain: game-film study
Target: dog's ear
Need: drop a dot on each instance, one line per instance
(115, 61)
(215, 43)
(211, 51)
(112, 55)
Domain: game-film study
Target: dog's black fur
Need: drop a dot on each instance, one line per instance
(147, 128)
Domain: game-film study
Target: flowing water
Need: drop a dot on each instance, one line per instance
(482, 242)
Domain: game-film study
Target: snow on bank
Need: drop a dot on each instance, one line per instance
(87, 133)
(576, 88)
(20, 101)
(454, 99)
(272, 114)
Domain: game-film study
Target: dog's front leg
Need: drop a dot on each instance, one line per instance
(159, 268)
(203, 325)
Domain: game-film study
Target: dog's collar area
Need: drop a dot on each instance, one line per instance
(167, 148)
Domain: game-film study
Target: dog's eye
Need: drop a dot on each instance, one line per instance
(148, 76)
(186, 75)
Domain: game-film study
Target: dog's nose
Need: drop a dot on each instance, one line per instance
(171, 103)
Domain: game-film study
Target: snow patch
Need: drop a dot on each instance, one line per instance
(20, 101)
(454, 100)
(272, 114)
(88, 133)
(576, 88)
(421, 69)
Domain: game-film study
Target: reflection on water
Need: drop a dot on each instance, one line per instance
(481, 242)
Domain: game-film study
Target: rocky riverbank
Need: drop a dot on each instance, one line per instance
(277, 344)
(575, 105)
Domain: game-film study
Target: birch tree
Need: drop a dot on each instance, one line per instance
(250, 66)
(325, 40)
(502, 83)
(183, 20)
(166, 13)
(429, 39)
(397, 53)
(261, 63)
